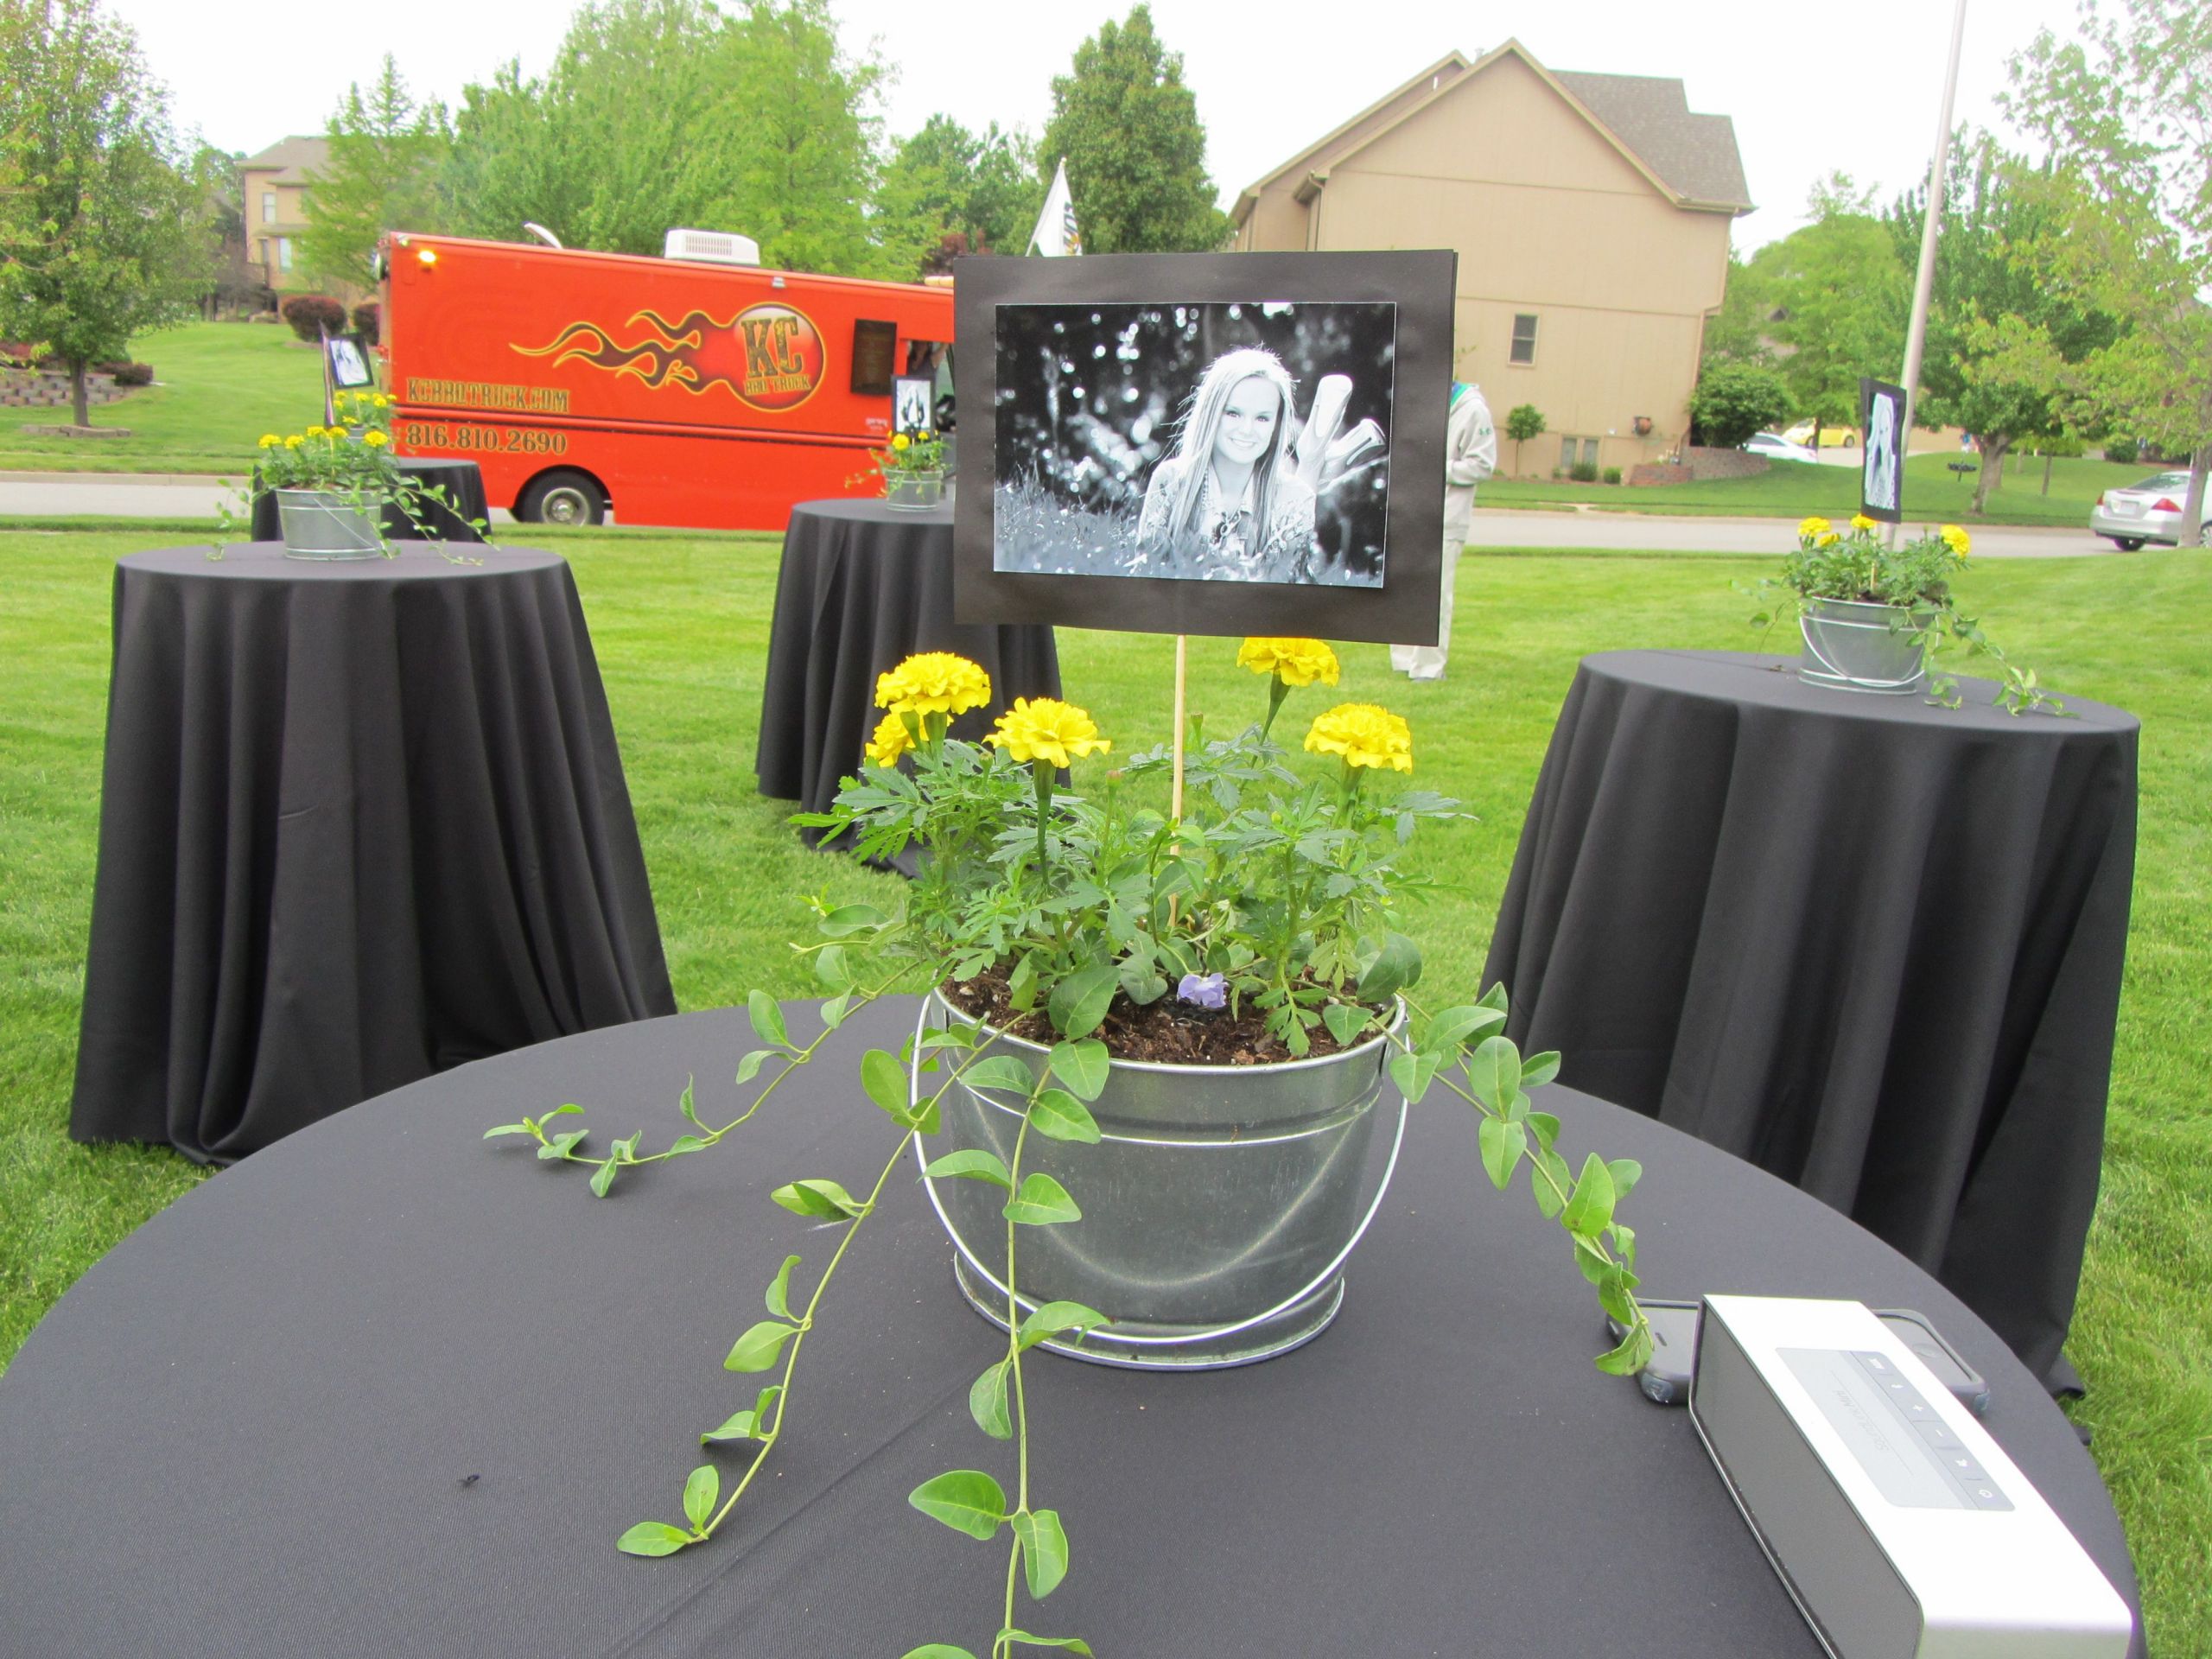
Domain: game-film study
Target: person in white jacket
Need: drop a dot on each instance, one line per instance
(1469, 456)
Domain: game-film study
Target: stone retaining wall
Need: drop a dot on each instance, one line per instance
(46, 389)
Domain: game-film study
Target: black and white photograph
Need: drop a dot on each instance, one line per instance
(1881, 483)
(1237, 441)
(911, 398)
(349, 364)
(1245, 443)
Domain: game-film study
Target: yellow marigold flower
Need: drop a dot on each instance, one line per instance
(900, 441)
(1829, 539)
(381, 401)
(933, 683)
(1957, 540)
(341, 397)
(1043, 728)
(891, 740)
(1860, 521)
(294, 442)
(270, 439)
(1364, 735)
(375, 439)
(1294, 662)
(1813, 529)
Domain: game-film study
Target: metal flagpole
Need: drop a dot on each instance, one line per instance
(1931, 226)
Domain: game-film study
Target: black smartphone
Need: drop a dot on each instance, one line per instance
(1665, 1379)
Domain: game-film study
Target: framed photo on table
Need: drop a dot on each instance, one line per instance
(911, 398)
(349, 362)
(1204, 443)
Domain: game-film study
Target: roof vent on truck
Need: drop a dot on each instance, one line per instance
(712, 247)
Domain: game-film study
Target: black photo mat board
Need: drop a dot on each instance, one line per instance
(1881, 464)
(1083, 383)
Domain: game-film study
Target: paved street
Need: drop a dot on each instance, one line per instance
(171, 496)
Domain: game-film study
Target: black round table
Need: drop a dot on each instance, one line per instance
(863, 585)
(359, 820)
(453, 519)
(1870, 944)
(389, 1390)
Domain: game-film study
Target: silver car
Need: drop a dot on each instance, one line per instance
(2149, 511)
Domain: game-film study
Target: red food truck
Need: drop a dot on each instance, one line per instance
(665, 391)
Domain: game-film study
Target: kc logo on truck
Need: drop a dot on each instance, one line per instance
(768, 357)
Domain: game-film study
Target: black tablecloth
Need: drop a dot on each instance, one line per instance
(862, 585)
(386, 1390)
(1873, 946)
(359, 820)
(462, 481)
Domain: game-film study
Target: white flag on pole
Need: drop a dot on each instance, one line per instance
(1056, 233)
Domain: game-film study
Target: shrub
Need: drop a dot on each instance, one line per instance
(1735, 400)
(1612, 474)
(368, 322)
(2123, 450)
(310, 313)
(1584, 471)
(130, 374)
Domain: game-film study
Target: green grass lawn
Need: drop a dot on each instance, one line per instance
(681, 624)
(1791, 489)
(218, 387)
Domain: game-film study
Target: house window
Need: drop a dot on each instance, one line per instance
(1572, 450)
(1524, 337)
(284, 254)
(269, 206)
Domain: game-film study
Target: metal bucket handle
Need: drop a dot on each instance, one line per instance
(1210, 1333)
(1805, 629)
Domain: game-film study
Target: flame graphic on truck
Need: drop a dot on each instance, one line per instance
(768, 356)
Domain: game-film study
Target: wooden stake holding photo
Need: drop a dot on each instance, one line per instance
(1182, 673)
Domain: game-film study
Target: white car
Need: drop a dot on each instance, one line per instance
(2149, 511)
(1775, 447)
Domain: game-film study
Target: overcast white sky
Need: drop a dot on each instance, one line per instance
(1812, 87)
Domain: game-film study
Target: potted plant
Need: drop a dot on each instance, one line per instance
(332, 483)
(912, 467)
(1079, 942)
(1872, 617)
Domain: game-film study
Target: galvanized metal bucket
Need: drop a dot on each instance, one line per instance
(914, 491)
(1856, 647)
(323, 525)
(1219, 1208)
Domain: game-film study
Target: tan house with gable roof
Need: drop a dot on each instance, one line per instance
(274, 185)
(1590, 214)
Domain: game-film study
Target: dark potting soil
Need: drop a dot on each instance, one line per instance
(1166, 1031)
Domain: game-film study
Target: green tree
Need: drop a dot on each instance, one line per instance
(1734, 400)
(945, 182)
(1740, 331)
(2124, 113)
(1522, 422)
(661, 113)
(1837, 297)
(103, 230)
(1128, 128)
(1987, 303)
(385, 150)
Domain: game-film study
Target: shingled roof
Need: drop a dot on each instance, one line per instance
(295, 158)
(1692, 157)
(1695, 153)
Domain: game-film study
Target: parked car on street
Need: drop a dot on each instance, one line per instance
(2149, 511)
(1775, 447)
(1832, 437)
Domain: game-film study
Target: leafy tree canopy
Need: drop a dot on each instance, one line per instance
(1733, 401)
(385, 150)
(945, 182)
(1129, 131)
(104, 232)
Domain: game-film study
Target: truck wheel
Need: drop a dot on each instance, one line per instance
(2127, 543)
(564, 496)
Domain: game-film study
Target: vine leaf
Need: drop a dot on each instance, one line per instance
(1503, 1145)
(560, 1145)
(1041, 1202)
(1591, 1205)
(1494, 1072)
(974, 1163)
(779, 1290)
(767, 1018)
(849, 920)
(744, 1425)
(885, 1079)
(1413, 1074)
(749, 1067)
(507, 1128)
(1454, 1026)
(1077, 1004)
(1345, 1022)
(966, 1500)
(1052, 1317)
(937, 1650)
(1000, 1071)
(987, 1403)
(700, 1492)
(1073, 1644)
(1082, 1066)
(1044, 1550)
(653, 1538)
(1540, 1069)
(1394, 968)
(1060, 1115)
(603, 1177)
(757, 1350)
(825, 1199)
